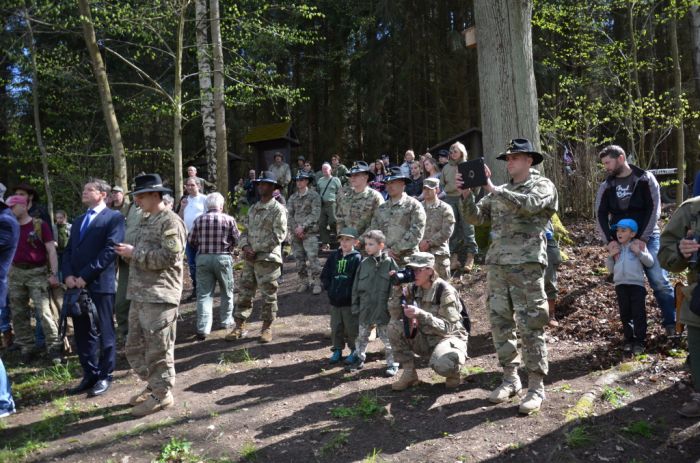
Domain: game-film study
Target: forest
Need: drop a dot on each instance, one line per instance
(111, 89)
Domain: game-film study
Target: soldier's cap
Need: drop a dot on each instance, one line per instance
(349, 232)
(303, 175)
(301, 158)
(278, 155)
(443, 153)
(147, 183)
(16, 199)
(3, 189)
(521, 145)
(267, 177)
(117, 188)
(431, 183)
(395, 173)
(361, 167)
(420, 260)
(626, 223)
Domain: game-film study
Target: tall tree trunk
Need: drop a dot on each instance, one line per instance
(98, 68)
(637, 121)
(177, 103)
(677, 103)
(695, 41)
(508, 96)
(205, 90)
(37, 121)
(219, 108)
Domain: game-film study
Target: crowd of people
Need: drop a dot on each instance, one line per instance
(395, 237)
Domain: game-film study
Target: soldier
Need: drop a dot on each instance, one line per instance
(518, 213)
(304, 210)
(439, 225)
(339, 170)
(280, 170)
(132, 215)
(402, 220)
(357, 205)
(154, 289)
(441, 334)
(265, 229)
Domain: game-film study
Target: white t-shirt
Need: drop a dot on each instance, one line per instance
(195, 207)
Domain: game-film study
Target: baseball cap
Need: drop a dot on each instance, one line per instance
(626, 223)
(349, 232)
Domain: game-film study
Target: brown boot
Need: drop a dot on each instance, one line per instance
(454, 262)
(266, 332)
(140, 397)
(407, 379)
(238, 332)
(8, 338)
(469, 264)
(153, 403)
(453, 382)
(553, 323)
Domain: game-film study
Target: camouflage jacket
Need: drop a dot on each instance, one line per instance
(518, 214)
(439, 225)
(440, 319)
(305, 211)
(403, 224)
(356, 209)
(341, 172)
(155, 269)
(281, 172)
(265, 229)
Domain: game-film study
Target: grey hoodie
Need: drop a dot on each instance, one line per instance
(629, 268)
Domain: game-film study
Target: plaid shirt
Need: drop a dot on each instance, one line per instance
(214, 233)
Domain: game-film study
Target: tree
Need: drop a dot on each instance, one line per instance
(205, 89)
(219, 109)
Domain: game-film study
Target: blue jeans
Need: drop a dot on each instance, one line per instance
(6, 402)
(658, 280)
(6, 319)
(212, 268)
(191, 254)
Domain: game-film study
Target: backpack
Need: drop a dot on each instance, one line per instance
(466, 321)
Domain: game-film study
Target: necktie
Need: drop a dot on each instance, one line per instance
(86, 223)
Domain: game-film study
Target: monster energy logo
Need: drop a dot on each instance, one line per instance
(342, 266)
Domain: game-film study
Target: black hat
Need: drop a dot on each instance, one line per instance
(396, 174)
(147, 183)
(443, 153)
(267, 177)
(361, 167)
(521, 145)
(303, 175)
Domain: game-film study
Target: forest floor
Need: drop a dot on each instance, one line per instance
(283, 402)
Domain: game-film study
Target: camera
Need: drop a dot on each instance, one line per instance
(404, 275)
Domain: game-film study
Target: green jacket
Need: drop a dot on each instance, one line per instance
(371, 288)
(686, 218)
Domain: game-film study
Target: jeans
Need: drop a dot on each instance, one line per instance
(6, 402)
(213, 268)
(658, 280)
(191, 254)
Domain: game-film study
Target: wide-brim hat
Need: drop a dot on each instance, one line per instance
(301, 175)
(267, 177)
(395, 173)
(420, 260)
(148, 183)
(521, 145)
(361, 167)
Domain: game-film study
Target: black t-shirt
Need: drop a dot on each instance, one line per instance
(623, 190)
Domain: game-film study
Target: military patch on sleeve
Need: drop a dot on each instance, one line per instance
(171, 241)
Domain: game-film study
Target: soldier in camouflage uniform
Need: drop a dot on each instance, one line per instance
(339, 170)
(356, 205)
(281, 171)
(304, 211)
(440, 335)
(265, 229)
(439, 225)
(154, 289)
(132, 214)
(518, 213)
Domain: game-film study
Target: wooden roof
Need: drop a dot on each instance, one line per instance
(270, 132)
(453, 139)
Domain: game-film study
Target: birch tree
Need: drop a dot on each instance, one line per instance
(205, 87)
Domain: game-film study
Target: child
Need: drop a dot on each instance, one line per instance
(627, 264)
(337, 278)
(370, 296)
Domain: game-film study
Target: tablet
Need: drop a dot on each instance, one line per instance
(473, 173)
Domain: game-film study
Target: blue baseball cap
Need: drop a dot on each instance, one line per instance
(626, 223)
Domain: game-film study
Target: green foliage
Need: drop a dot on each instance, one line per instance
(366, 407)
(640, 428)
(36, 384)
(373, 456)
(249, 452)
(615, 395)
(335, 443)
(579, 436)
(177, 451)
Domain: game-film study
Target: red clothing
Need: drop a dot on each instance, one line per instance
(30, 249)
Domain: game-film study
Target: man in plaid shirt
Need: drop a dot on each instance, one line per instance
(214, 235)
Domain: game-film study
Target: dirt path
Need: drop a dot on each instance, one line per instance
(282, 402)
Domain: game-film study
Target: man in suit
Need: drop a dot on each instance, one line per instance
(89, 262)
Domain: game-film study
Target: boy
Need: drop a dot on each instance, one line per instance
(337, 278)
(370, 296)
(627, 264)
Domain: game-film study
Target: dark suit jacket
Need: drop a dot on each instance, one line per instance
(93, 257)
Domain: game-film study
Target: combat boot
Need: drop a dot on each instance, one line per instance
(140, 397)
(453, 382)
(408, 378)
(238, 332)
(535, 394)
(153, 403)
(316, 287)
(454, 262)
(266, 332)
(469, 264)
(303, 285)
(691, 409)
(553, 323)
(510, 386)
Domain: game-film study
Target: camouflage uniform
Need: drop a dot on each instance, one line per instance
(265, 229)
(305, 211)
(25, 285)
(518, 214)
(340, 171)
(121, 304)
(439, 225)
(154, 289)
(356, 210)
(283, 175)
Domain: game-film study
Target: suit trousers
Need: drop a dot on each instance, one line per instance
(97, 349)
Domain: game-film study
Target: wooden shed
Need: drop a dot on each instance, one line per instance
(471, 138)
(269, 139)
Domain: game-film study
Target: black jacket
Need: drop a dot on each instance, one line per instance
(338, 275)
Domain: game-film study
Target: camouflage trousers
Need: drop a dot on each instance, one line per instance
(462, 241)
(442, 267)
(344, 327)
(121, 303)
(327, 220)
(25, 285)
(447, 355)
(517, 307)
(260, 275)
(550, 273)
(306, 250)
(363, 340)
(150, 343)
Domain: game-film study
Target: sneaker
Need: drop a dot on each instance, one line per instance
(352, 358)
(391, 370)
(627, 348)
(691, 409)
(638, 349)
(336, 357)
(6, 413)
(356, 365)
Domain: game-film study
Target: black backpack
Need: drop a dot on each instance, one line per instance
(466, 321)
